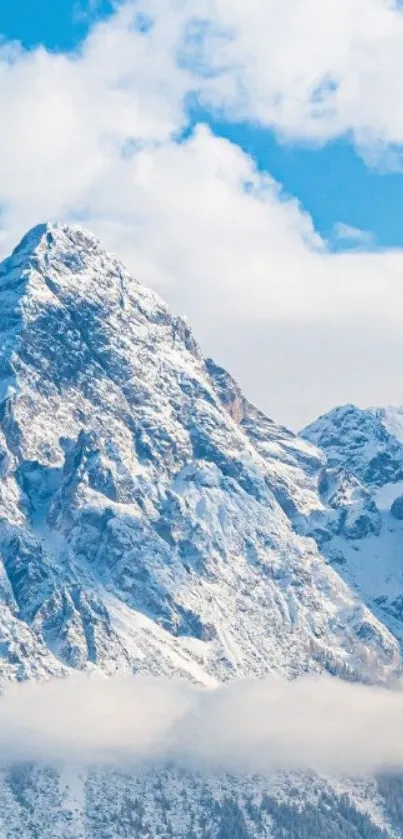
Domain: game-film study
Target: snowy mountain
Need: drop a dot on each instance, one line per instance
(152, 520)
(368, 443)
(364, 450)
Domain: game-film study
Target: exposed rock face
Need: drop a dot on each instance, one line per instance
(151, 519)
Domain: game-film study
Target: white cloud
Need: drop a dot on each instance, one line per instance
(92, 137)
(299, 325)
(306, 72)
(315, 723)
(354, 235)
(67, 118)
(306, 69)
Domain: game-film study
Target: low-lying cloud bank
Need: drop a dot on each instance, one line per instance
(315, 723)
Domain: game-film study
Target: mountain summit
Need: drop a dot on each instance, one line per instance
(140, 491)
(152, 520)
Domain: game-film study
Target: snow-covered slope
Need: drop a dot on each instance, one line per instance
(151, 519)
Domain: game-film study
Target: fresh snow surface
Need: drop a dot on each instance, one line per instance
(387, 494)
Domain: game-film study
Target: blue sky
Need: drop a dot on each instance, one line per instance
(59, 25)
(332, 182)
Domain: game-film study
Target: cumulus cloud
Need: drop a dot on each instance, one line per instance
(97, 136)
(306, 70)
(315, 723)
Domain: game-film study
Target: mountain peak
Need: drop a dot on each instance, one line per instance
(143, 501)
(48, 234)
(52, 253)
(366, 441)
(63, 261)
